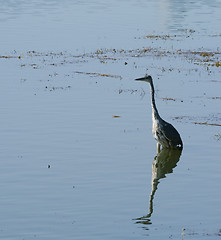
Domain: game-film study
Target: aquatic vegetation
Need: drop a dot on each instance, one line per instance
(9, 56)
(99, 74)
(190, 232)
(57, 88)
(159, 36)
(206, 54)
(206, 123)
(171, 99)
(218, 64)
(210, 120)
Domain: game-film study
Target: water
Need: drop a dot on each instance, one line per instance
(78, 160)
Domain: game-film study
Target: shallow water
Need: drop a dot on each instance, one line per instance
(78, 160)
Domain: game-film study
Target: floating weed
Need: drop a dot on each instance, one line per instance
(218, 64)
(179, 117)
(190, 232)
(206, 54)
(171, 99)
(201, 57)
(208, 124)
(216, 98)
(132, 91)
(4, 56)
(99, 74)
(164, 37)
(105, 55)
(99, 51)
(146, 50)
(192, 31)
(57, 88)
(210, 120)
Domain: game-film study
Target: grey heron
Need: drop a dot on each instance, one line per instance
(164, 133)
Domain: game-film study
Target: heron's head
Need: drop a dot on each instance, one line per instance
(147, 78)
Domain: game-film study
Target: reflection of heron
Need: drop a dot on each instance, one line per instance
(165, 134)
(163, 164)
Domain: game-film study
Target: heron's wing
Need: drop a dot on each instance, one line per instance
(170, 132)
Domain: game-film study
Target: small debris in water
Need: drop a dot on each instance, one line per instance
(164, 37)
(115, 116)
(206, 123)
(7, 57)
(171, 99)
(218, 136)
(99, 74)
(218, 64)
(178, 117)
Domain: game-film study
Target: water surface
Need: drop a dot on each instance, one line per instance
(78, 160)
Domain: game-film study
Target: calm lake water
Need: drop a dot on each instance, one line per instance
(78, 160)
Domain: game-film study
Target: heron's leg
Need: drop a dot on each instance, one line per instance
(158, 148)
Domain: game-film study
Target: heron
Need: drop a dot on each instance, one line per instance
(164, 133)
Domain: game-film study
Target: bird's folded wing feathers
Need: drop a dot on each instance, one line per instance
(170, 132)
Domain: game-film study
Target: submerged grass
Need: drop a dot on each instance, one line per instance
(209, 124)
(99, 74)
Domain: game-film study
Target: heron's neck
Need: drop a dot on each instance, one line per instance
(154, 108)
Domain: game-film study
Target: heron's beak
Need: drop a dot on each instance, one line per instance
(140, 79)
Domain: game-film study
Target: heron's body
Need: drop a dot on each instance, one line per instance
(164, 133)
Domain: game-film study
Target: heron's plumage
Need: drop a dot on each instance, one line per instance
(168, 135)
